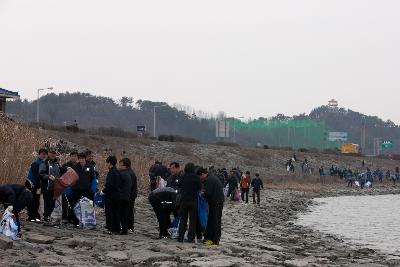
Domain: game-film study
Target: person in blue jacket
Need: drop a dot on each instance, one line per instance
(33, 183)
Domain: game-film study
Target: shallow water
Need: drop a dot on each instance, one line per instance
(373, 221)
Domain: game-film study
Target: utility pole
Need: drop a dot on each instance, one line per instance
(154, 118)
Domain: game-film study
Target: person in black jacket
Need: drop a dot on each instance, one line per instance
(49, 170)
(15, 198)
(189, 185)
(176, 173)
(82, 186)
(163, 201)
(125, 186)
(214, 194)
(132, 199)
(112, 193)
(33, 183)
(232, 183)
(257, 185)
(155, 171)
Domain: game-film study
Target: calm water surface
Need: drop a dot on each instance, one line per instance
(373, 221)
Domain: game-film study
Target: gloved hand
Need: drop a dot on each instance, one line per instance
(10, 208)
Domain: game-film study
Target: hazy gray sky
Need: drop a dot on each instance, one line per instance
(248, 58)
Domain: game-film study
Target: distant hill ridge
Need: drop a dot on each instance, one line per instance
(94, 111)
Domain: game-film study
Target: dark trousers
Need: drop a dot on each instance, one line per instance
(49, 203)
(188, 211)
(163, 213)
(124, 207)
(231, 193)
(131, 214)
(22, 201)
(256, 192)
(245, 191)
(66, 208)
(113, 218)
(33, 207)
(213, 230)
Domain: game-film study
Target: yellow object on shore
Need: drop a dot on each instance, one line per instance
(347, 148)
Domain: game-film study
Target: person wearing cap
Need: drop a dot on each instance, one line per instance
(245, 183)
(112, 192)
(49, 170)
(257, 185)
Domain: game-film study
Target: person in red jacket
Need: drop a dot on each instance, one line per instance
(245, 183)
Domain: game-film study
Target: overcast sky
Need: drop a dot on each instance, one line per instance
(248, 58)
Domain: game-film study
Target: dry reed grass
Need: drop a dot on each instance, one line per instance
(18, 145)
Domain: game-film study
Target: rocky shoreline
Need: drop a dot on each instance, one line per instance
(264, 235)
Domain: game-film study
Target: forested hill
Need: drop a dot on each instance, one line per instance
(94, 112)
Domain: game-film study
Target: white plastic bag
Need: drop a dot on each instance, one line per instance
(357, 183)
(8, 226)
(368, 184)
(56, 215)
(162, 183)
(226, 190)
(84, 211)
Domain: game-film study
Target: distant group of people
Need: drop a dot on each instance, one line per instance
(362, 177)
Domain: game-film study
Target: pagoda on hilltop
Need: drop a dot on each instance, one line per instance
(333, 104)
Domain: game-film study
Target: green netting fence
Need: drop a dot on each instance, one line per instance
(285, 133)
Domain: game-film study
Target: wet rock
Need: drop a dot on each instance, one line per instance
(40, 239)
(5, 243)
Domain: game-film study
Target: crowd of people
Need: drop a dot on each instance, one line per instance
(120, 190)
(189, 199)
(362, 176)
(176, 192)
(176, 195)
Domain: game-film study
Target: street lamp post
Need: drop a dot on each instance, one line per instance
(37, 102)
(234, 129)
(154, 118)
